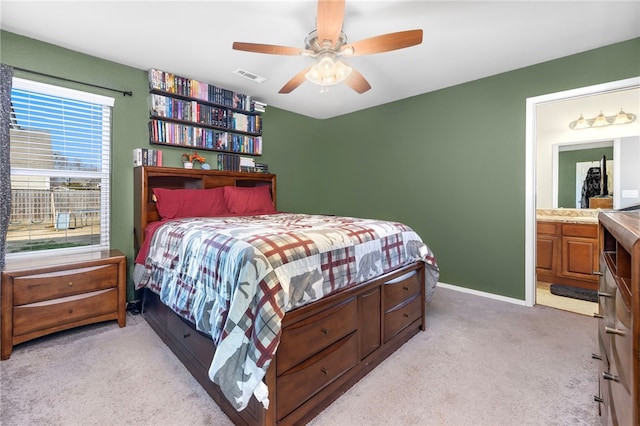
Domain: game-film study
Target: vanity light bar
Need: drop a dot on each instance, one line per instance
(601, 120)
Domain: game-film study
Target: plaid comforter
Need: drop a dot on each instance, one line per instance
(235, 277)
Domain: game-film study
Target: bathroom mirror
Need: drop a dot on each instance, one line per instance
(560, 149)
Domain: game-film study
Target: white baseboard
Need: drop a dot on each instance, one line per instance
(482, 294)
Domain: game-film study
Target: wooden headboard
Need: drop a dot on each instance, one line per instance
(146, 178)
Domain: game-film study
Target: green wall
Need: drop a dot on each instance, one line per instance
(451, 164)
(448, 163)
(567, 171)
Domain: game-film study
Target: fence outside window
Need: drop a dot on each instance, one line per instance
(45, 219)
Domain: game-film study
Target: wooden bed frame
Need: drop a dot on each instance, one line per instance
(325, 347)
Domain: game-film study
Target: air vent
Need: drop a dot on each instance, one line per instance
(250, 76)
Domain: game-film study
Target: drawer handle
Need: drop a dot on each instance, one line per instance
(597, 399)
(324, 371)
(324, 331)
(406, 287)
(596, 315)
(405, 315)
(70, 283)
(609, 376)
(596, 356)
(597, 273)
(610, 330)
(184, 336)
(603, 294)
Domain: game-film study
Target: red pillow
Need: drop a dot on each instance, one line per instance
(177, 203)
(247, 201)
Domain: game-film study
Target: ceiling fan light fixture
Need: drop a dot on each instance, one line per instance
(327, 72)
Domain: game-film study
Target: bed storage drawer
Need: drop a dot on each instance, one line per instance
(198, 344)
(309, 336)
(311, 376)
(400, 289)
(401, 316)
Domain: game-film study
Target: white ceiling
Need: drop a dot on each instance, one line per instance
(463, 40)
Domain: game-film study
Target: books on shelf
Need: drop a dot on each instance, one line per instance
(261, 168)
(194, 114)
(199, 137)
(249, 165)
(229, 162)
(179, 109)
(237, 163)
(258, 106)
(147, 157)
(171, 83)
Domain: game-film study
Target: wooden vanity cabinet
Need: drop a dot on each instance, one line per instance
(567, 253)
(619, 319)
(548, 250)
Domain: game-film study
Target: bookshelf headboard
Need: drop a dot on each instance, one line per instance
(146, 178)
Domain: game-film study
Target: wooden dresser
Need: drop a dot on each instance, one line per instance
(47, 294)
(619, 318)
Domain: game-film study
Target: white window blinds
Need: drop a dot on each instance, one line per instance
(60, 142)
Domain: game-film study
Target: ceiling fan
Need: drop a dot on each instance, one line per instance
(327, 44)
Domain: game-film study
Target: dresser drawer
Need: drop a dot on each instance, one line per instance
(304, 338)
(43, 315)
(311, 376)
(37, 288)
(606, 303)
(401, 316)
(621, 346)
(400, 289)
(198, 344)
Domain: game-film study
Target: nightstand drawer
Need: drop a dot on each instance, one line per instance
(43, 315)
(37, 288)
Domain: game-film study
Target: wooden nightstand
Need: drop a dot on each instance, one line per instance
(49, 294)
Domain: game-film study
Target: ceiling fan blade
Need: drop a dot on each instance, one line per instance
(267, 48)
(384, 43)
(296, 81)
(357, 82)
(329, 20)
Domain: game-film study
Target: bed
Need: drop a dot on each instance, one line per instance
(304, 306)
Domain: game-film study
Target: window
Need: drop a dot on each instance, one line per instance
(60, 142)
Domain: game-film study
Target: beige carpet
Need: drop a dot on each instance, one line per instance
(481, 362)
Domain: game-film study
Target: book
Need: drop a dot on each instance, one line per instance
(147, 157)
(137, 157)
